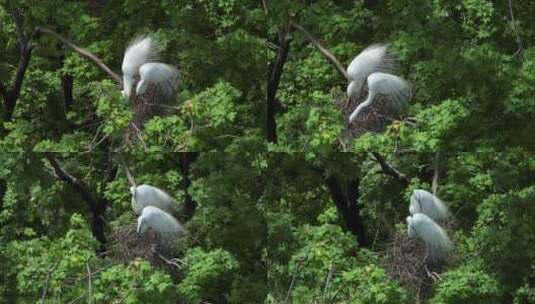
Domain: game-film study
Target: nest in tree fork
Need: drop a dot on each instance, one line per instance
(404, 261)
(127, 245)
(145, 106)
(374, 118)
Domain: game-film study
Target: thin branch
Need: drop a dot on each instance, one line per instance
(85, 53)
(47, 282)
(127, 172)
(324, 51)
(434, 184)
(515, 30)
(90, 300)
(75, 183)
(388, 169)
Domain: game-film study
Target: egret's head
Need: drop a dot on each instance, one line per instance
(141, 226)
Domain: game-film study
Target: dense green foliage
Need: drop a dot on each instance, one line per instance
(292, 220)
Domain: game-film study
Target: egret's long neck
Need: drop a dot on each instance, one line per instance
(361, 107)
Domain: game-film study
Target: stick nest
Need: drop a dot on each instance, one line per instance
(404, 261)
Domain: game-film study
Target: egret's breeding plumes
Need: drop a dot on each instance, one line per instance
(145, 195)
(435, 238)
(162, 223)
(140, 51)
(374, 66)
(163, 76)
(428, 204)
(374, 58)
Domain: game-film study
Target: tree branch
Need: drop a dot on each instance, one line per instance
(389, 169)
(85, 53)
(25, 44)
(127, 172)
(273, 83)
(97, 209)
(434, 184)
(325, 52)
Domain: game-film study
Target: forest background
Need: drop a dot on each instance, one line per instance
(279, 206)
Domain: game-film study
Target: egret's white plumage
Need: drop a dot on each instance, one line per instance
(145, 195)
(435, 238)
(140, 51)
(394, 87)
(374, 58)
(164, 76)
(164, 224)
(425, 202)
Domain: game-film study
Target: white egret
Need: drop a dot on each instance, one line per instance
(434, 237)
(374, 58)
(162, 223)
(375, 66)
(146, 195)
(425, 202)
(140, 51)
(164, 76)
(394, 87)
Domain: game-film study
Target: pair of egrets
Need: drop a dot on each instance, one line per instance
(427, 211)
(140, 65)
(156, 208)
(374, 66)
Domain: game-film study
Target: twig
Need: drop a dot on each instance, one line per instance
(434, 184)
(328, 279)
(389, 169)
(90, 300)
(127, 172)
(294, 276)
(47, 283)
(515, 30)
(325, 52)
(85, 53)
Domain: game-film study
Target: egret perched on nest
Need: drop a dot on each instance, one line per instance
(164, 224)
(145, 195)
(374, 65)
(428, 204)
(435, 238)
(140, 63)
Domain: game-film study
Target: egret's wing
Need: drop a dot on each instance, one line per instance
(395, 88)
(165, 76)
(140, 51)
(374, 58)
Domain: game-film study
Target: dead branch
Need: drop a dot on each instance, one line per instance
(324, 51)
(127, 172)
(85, 53)
(434, 184)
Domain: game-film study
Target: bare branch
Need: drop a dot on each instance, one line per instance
(388, 169)
(515, 30)
(85, 53)
(127, 172)
(434, 184)
(75, 183)
(325, 52)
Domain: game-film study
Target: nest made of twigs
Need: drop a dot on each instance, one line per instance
(374, 118)
(126, 246)
(405, 261)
